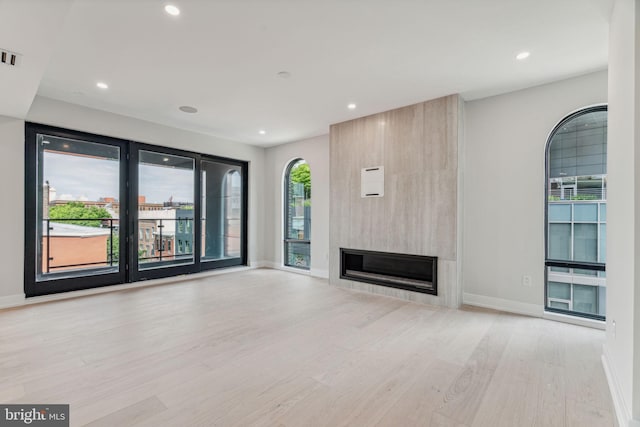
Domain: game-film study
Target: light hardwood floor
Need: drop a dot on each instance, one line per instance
(266, 347)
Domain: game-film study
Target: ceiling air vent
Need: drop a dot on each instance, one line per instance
(9, 58)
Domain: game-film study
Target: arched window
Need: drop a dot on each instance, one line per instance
(297, 215)
(576, 214)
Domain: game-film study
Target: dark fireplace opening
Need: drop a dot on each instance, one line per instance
(416, 273)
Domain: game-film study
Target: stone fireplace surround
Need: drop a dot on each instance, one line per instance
(418, 147)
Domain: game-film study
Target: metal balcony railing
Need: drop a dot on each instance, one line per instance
(572, 194)
(182, 225)
(85, 222)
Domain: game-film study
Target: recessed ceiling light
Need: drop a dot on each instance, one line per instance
(188, 109)
(166, 159)
(262, 132)
(351, 106)
(102, 85)
(172, 10)
(522, 55)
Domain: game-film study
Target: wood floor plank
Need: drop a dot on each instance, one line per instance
(551, 401)
(271, 348)
(131, 414)
(11, 392)
(581, 415)
(102, 400)
(507, 404)
(439, 420)
(425, 394)
(464, 396)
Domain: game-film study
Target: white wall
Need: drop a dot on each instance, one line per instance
(623, 230)
(12, 213)
(316, 152)
(56, 113)
(503, 195)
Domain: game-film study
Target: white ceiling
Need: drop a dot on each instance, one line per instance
(25, 28)
(222, 56)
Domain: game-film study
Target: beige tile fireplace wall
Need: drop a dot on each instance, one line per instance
(418, 147)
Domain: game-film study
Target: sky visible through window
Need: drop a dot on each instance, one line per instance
(159, 183)
(88, 178)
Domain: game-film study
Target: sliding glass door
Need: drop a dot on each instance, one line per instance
(164, 196)
(103, 211)
(74, 212)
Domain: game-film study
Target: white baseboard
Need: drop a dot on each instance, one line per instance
(500, 304)
(260, 264)
(322, 274)
(12, 301)
(623, 414)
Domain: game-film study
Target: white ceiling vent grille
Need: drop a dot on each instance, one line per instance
(9, 58)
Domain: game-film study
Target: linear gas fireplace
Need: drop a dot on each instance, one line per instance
(410, 272)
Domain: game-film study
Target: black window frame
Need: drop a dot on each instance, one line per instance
(595, 266)
(243, 169)
(33, 226)
(128, 221)
(165, 269)
(286, 239)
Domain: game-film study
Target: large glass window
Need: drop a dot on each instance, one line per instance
(222, 212)
(75, 198)
(165, 204)
(576, 203)
(79, 207)
(297, 224)
(81, 232)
